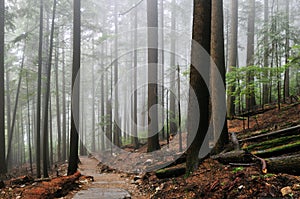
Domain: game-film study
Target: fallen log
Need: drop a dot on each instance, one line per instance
(285, 164)
(55, 188)
(234, 157)
(278, 150)
(171, 172)
(271, 143)
(295, 130)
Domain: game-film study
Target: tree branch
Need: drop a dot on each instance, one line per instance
(133, 7)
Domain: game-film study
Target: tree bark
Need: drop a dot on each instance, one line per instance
(3, 169)
(232, 56)
(217, 53)
(73, 158)
(266, 52)
(200, 104)
(172, 110)
(38, 108)
(285, 164)
(152, 20)
(287, 53)
(250, 95)
(57, 108)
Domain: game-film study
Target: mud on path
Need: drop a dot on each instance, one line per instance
(105, 185)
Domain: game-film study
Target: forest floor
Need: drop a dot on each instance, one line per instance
(211, 180)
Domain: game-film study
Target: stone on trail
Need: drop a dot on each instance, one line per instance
(103, 193)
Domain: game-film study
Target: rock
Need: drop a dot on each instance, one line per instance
(286, 191)
(137, 178)
(148, 162)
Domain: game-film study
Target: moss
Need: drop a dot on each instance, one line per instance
(278, 149)
(271, 143)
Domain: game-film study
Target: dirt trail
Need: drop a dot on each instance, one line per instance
(106, 185)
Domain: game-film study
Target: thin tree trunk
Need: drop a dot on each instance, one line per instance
(51, 159)
(232, 57)
(162, 67)
(57, 108)
(8, 158)
(250, 95)
(173, 125)
(29, 125)
(38, 108)
(47, 96)
(179, 109)
(287, 54)
(73, 159)
(266, 52)
(152, 20)
(3, 168)
(93, 100)
(135, 140)
(64, 122)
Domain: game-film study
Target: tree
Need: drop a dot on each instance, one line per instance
(73, 158)
(152, 20)
(135, 140)
(286, 86)
(173, 125)
(217, 54)
(250, 98)
(47, 97)
(201, 35)
(2, 91)
(266, 51)
(116, 130)
(57, 107)
(232, 56)
(38, 109)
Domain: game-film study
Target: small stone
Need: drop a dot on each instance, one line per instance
(286, 191)
(241, 187)
(137, 178)
(296, 187)
(148, 162)
(18, 197)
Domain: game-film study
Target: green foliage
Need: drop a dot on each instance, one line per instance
(237, 169)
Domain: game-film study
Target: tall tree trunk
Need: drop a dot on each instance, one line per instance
(179, 109)
(64, 122)
(116, 129)
(173, 125)
(198, 105)
(93, 99)
(217, 53)
(102, 115)
(57, 107)
(47, 96)
(73, 159)
(162, 67)
(28, 125)
(51, 159)
(38, 108)
(250, 95)
(287, 53)
(3, 169)
(152, 20)
(135, 140)
(8, 158)
(266, 52)
(232, 56)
